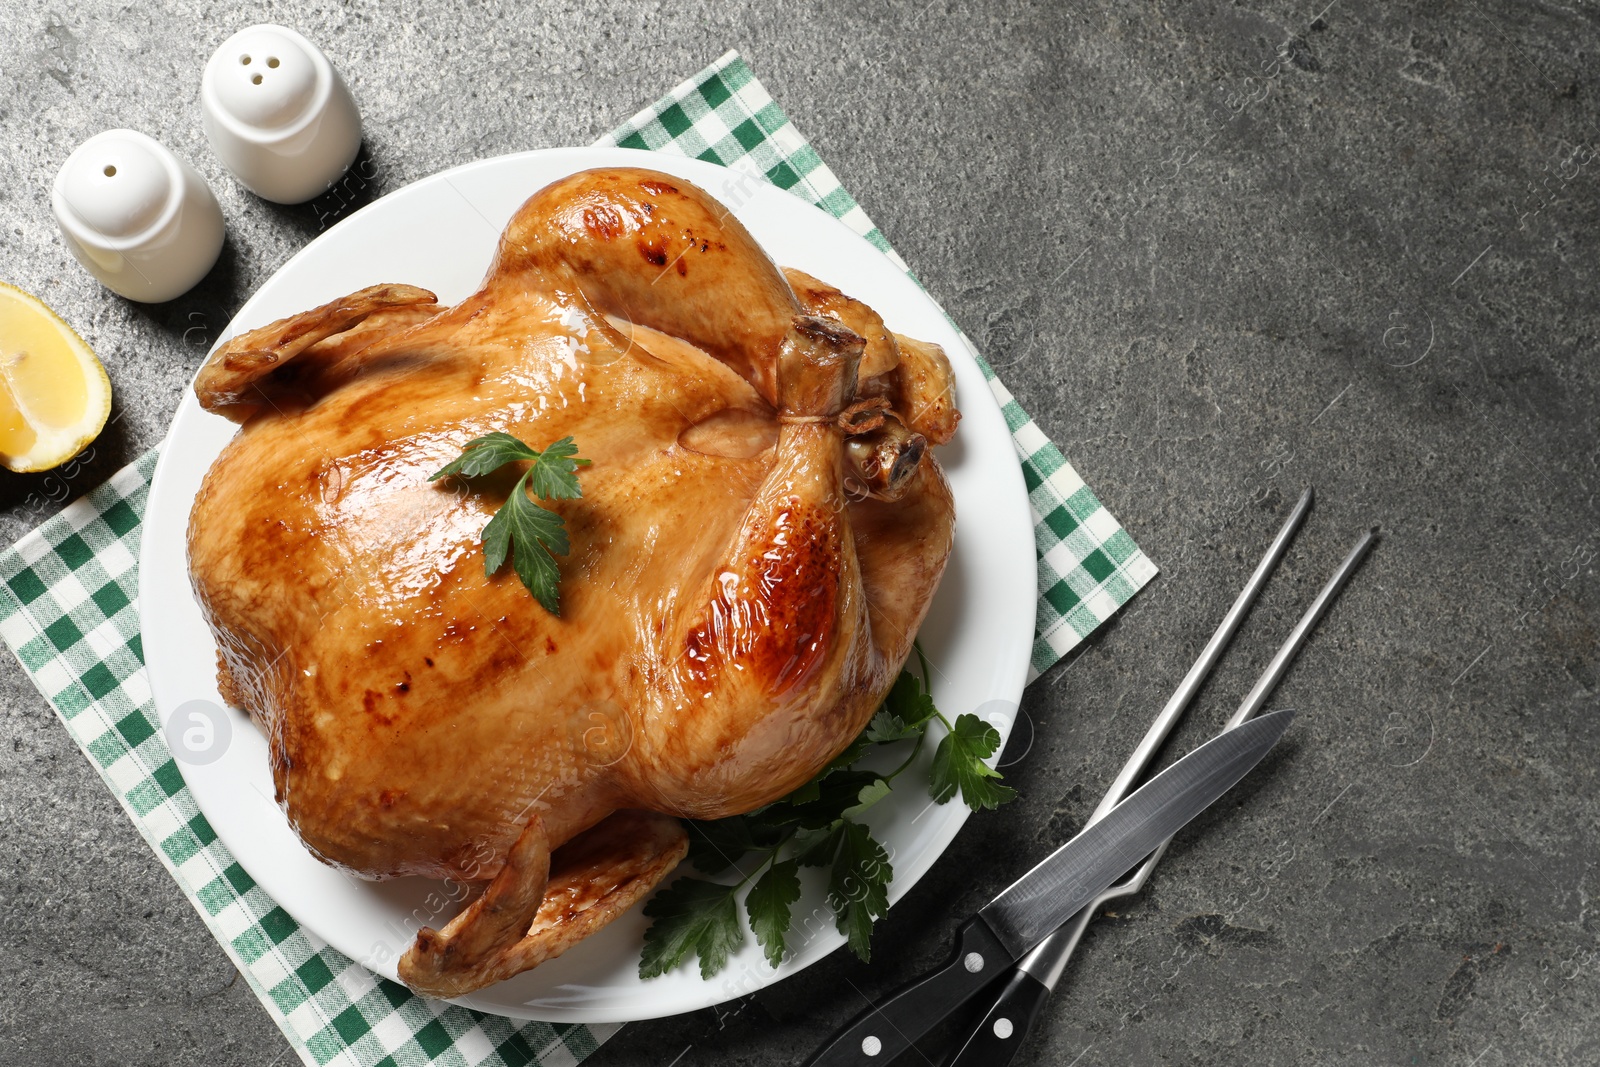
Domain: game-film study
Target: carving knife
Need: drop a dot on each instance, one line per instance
(1034, 906)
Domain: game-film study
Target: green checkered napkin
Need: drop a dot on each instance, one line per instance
(67, 609)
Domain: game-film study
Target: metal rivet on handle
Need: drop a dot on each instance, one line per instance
(1002, 1028)
(973, 962)
(871, 1046)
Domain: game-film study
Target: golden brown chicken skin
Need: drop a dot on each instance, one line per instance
(758, 538)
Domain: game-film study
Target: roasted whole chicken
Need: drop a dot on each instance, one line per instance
(758, 538)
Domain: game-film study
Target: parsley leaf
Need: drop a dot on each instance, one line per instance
(870, 794)
(958, 765)
(837, 793)
(769, 904)
(715, 846)
(858, 879)
(858, 886)
(817, 848)
(906, 712)
(555, 471)
(486, 454)
(531, 535)
(691, 916)
(535, 537)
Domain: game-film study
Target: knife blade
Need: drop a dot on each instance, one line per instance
(1050, 894)
(1040, 901)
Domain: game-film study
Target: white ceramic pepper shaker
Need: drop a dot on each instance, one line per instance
(278, 114)
(138, 218)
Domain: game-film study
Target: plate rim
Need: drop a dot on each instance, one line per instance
(715, 992)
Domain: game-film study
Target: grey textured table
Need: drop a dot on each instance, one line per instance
(1220, 252)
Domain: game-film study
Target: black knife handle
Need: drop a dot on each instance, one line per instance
(997, 1038)
(888, 1028)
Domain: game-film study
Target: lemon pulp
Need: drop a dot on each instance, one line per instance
(16, 436)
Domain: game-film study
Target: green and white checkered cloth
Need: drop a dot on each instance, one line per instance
(68, 611)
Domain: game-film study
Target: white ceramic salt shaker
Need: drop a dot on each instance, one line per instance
(278, 115)
(138, 218)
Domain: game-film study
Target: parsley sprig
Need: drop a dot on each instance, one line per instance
(531, 535)
(817, 825)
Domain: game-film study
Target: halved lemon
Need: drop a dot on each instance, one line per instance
(54, 394)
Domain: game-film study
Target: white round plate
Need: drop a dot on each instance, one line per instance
(440, 233)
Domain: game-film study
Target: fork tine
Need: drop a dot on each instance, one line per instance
(1168, 718)
(1281, 659)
